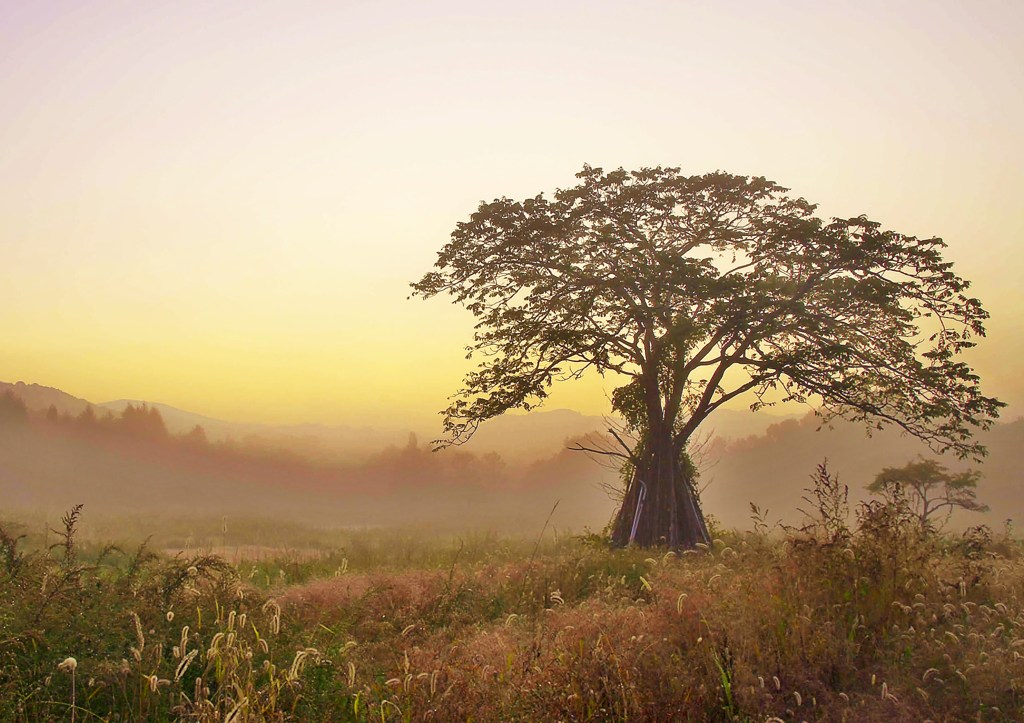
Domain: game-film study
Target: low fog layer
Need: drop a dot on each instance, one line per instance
(516, 438)
(56, 451)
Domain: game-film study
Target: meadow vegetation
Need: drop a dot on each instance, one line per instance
(854, 615)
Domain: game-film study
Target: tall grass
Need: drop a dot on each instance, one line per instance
(854, 615)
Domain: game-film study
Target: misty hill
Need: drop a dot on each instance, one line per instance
(541, 433)
(131, 464)
(39, 398)
(320, 443)
(773, 469)
(518, 438)
(179, 421)
(732, 424)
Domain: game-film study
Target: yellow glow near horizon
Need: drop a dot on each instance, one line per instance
(221, 207)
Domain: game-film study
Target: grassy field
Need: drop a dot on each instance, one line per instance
(831, 622)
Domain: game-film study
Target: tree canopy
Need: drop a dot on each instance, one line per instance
(932, 487)
(696, 290)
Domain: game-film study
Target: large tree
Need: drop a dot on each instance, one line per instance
(695, 290)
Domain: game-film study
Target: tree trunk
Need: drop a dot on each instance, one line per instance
(660, 506)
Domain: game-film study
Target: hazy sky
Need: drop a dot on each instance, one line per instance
(220, 205)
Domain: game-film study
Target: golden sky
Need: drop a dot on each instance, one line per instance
(220, 205)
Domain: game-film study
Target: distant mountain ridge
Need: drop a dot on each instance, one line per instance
(516, 437)
(179, 421)
(39, 398)
(770, 468)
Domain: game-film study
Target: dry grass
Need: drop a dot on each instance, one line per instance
(823, 623)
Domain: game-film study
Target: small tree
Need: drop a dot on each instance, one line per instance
(196, 437)
(931, 487)
(697, 290)
(12, 409)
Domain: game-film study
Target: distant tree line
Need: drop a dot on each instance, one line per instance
(139, 422)
(140, 430)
